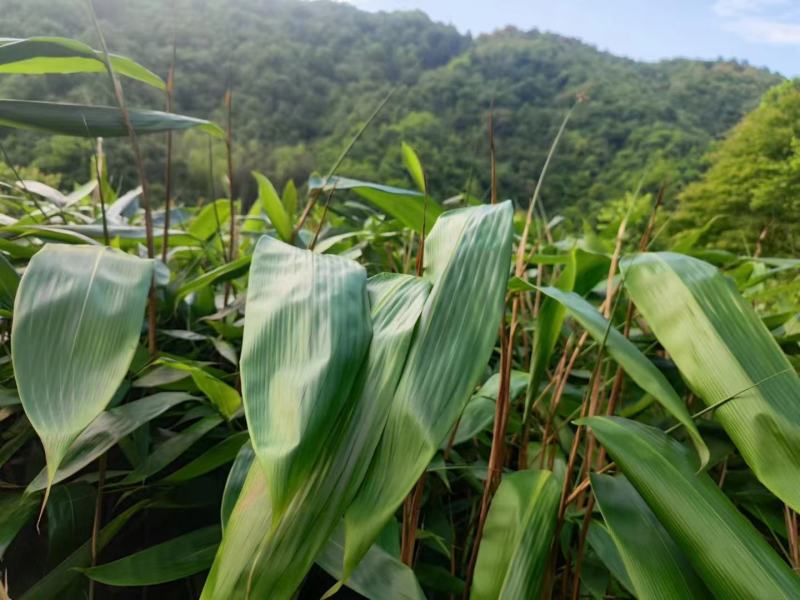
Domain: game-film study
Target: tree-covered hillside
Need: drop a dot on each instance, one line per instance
(753, 183)
(306, 74)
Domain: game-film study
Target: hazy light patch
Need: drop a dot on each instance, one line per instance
(774, 22)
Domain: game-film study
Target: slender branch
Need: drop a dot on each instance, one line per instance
(148, 215)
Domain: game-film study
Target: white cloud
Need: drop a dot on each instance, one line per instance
(774, 22)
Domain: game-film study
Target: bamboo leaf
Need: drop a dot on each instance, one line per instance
(288, 549)
(59, 579)
(46, 55)
(77, 318)
(467, 259)
(289, 199)
(224, 397)
(15, 512)
(548, 328)
(220, 454)
(724, 548)
(271, 203)
(656, 566)
(232, 270)
(171, 560)
(210, 219)
(413, 165)
(379, 575)
(406, 206)
(82, 120)
(107, 430)
(306, 333)
(636, 364)
(515, 546)
(724, 351)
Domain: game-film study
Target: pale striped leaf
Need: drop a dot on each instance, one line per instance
(726, 551)
(467, 258)
(77, 318)
(306, 333)
(271, 562)
(657, 568)
(515, 546)
(725, 352)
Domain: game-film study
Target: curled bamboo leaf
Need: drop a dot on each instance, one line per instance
(272, 561)
(467, 259)
(306, 333)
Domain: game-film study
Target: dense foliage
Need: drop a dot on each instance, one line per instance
(752, 187)
(383, 397)
(306, 74)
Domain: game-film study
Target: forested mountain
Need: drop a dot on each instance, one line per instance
(305, 75)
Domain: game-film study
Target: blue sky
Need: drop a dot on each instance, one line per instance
(766, 33)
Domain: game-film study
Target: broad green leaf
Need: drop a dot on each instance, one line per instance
(515, 547)
(603, 545)
(210, 219)
(289, 199)
(406, 206)
(77, 319)
(223, 396)
(15, 511)
(94, 121)
(288, 549)
(413, 165)
(728, 553)
(107, 430)
(306, 334)
(167, 452)
(548, 328)
(630, 358)
(46, 55)
(171, 560)
(724, 351)
(656, 566)
(232, 270)
(59, 579)
(467, 259)
(271, 203)
(220, 454)
(378, 575)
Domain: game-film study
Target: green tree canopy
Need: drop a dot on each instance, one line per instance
(753, 180)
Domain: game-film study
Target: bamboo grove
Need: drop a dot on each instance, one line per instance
(365, 391)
